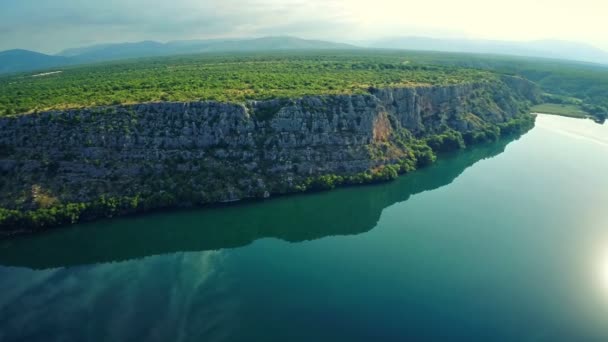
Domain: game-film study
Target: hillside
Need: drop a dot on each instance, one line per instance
(130, 136)
(23, 60)
(62, 167)
(564, 82)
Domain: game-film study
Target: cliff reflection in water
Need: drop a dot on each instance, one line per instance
(347, 211)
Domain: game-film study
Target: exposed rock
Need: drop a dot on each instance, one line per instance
(229, 151)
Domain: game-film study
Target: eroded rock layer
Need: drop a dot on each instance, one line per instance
(205, 152)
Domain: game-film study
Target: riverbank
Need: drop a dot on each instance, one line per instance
(71, 166)
(345, 211)
(423, 153)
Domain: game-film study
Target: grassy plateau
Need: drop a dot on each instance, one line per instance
(568, 110)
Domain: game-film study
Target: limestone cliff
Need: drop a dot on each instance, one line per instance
(205, 152)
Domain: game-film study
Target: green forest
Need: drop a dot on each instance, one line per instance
(581, 84)
(233, 78)
(241, 77)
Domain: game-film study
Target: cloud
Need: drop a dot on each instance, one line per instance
(52, 25)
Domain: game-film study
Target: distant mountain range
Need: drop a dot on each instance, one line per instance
(24, 60)
(541, 48)
(152, 48)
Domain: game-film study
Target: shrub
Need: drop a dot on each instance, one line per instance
(449, 141)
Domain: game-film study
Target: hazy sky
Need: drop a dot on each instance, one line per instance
(52, 25)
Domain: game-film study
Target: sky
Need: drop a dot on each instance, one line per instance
(52, 25)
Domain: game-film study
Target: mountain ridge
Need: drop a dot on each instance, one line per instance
(19, 60)
(546, 48)
(150, 48)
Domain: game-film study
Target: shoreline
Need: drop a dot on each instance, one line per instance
(80, 215)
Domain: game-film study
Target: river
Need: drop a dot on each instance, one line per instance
(504, 242)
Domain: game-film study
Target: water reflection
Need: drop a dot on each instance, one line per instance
(297, 218)
(601, 272)
(159, 299)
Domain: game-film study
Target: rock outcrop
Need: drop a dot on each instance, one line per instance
(205, 152)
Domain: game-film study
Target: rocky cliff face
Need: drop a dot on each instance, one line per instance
(213, 152)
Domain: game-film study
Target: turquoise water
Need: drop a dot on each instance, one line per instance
(503, 242)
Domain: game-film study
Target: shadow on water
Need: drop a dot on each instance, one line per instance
(347, 211)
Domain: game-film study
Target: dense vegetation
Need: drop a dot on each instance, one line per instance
(235, 79)
(571, 83)
(241, 77)
(261, 76)
(584, 85)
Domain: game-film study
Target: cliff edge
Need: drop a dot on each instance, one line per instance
(63, 167)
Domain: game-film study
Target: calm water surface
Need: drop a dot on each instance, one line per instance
(504, 242)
